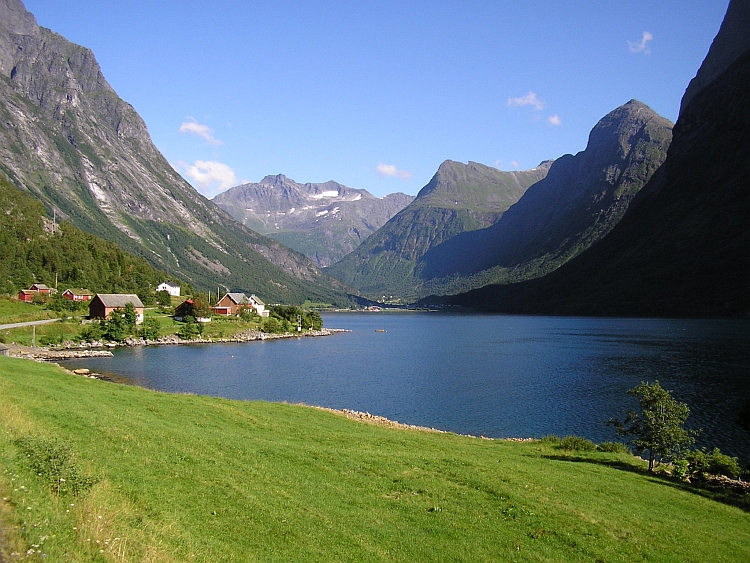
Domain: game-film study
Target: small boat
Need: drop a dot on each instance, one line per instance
(379, 330)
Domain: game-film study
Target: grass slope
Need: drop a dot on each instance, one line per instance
(189, 478)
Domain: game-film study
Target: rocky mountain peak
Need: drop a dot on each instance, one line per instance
(618, 129)
(14, 18)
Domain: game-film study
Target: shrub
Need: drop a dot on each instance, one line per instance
(550, 440)
(150, 329)
(614, 447)
(577, 444)
(701, 462)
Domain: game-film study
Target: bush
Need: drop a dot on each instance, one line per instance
(189, 330)
(150, 329)
(550, 440)
(272, 325)
(91, 333)
(700, 462)
(577, 444)
(614, 447)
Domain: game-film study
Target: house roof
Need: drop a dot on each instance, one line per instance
(119, 300)
(255, 299)
(238, 298)
(170, 284)
(78, 291)
(39, 286)
(28, 291)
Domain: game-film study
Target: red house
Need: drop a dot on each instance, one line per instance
(26, 295)
(104, 303)
(41, 288)
(77, 294)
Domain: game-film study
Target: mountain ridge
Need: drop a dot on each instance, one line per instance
(68, 139)
(325, 221)
(683, 247)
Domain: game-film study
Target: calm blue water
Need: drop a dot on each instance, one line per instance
(490, 375)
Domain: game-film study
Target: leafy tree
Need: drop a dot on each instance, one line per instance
(189, 330)
(150, 329)
(272, 325)
(201, 308)
(163, 299)
(115, 329)
(658, 427)
(131, 317)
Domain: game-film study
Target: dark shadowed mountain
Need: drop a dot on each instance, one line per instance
(459, 198)
(69, 140)
(683, 247)
(579, 201)
(322, 221)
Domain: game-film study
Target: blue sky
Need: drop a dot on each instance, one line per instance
(375, 95)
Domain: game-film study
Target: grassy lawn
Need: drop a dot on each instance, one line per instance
(189, 478)
(14, 311)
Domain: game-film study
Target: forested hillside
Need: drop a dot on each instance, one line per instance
(35, 249)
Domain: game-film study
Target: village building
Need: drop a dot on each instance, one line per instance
(77, 294)
(187, 309)
(42, 288)
(259, 306)
(231, 304)
(169, 287)
(27, 295)
(104, 303)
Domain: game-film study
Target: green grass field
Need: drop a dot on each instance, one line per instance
(189, 478)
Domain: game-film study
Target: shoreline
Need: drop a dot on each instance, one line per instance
(70, 350)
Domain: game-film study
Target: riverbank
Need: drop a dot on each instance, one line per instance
(99, 349)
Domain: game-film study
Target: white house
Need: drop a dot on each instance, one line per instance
(259, 306)
(169, 287)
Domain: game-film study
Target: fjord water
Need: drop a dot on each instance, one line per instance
(489, 375)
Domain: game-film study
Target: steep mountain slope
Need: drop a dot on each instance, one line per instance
(683, 247)
(579, 201)
(68, 139)
(459, 198)
(323, 221)
(37, 250)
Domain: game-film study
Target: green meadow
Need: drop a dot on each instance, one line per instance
(96, 471)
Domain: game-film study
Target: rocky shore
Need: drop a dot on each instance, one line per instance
(100, 349)
(377, 420)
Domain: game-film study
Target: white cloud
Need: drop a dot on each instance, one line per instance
(192, 127)
(391, 170)
(642, 45)
(554, 120)
(211, 177)
(529, 99)
(515, 164)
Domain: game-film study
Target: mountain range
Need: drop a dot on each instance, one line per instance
(561, 209)
(683, 246)
(71, 142)
(459, 198)
(322, 221)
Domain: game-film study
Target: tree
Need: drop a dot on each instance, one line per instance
(163, 299)
(150, 328)
(201, 308)
(658, 427)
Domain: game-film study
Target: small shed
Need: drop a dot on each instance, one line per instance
(77, 294)
(104, 303)
(171, 288)
(27, 295)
